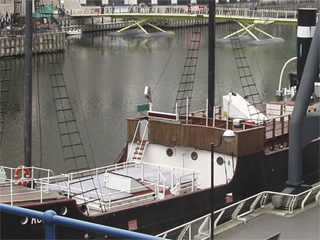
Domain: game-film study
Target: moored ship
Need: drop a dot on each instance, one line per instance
(163, 177)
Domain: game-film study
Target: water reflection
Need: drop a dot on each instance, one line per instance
(105, 78)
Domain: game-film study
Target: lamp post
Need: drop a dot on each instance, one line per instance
(228, 136)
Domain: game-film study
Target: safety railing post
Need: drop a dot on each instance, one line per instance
(50, 226)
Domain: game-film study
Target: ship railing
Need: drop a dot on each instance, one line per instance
(166, 177)
(109, 201)
(255, 205)
(174, 178)
(176, 174)
(277, 127)
(112, 205)
(131, 149)
(62, 182)
(160, 191)
(134, 137)
(74, 175)
(278, 124)
(160, 186)
(34, 177)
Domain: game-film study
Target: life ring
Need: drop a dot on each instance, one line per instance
(27, 175)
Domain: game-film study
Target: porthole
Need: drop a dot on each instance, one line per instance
(169, 152)
(24, 220)
(87, 236)
(64, 210)
(194, 156)
(220, 160)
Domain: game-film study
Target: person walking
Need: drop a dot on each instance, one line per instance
(112, 8)
(150, 7)
(8, 21)
(2, 21)
(131, 8)
(12, 18)
(102, 9)
(143, 5)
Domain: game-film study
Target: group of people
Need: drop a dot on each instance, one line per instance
(61, 11)
(254, 11)
(141, 8)
(103, 6)
(6, 20)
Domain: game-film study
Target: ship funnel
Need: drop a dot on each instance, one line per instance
(304, 127)
(307, 18)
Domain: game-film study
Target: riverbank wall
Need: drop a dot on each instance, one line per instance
(14, 45)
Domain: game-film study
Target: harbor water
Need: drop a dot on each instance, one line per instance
(105, 79)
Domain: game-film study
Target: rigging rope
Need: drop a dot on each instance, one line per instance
(166, 65)
(38, 110)
(83, 115)
(81, 107)
(259, 69)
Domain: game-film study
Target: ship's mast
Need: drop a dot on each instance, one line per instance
(211, 60)
(28, 87)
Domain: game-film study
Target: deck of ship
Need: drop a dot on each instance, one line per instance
(24, 195)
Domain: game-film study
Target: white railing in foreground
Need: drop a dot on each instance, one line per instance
(202, 224)
(38, 184)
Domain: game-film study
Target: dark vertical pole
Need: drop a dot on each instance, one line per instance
(28, 86)
(211, 60)
(211, 95)
(212, 191)
(212, 187)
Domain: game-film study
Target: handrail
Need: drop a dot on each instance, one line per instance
(261, 197)
(63, 181)
(134, 137)
(197, 9)
(160, 176)
(50, 218)
(142, 140)
(42, 183)
(173, 170)
(117, 167)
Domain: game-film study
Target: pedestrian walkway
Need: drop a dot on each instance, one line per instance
(302, 225)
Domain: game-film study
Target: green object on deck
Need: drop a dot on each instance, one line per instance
(142, 107)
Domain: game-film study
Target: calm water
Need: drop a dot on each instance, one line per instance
(106, 77)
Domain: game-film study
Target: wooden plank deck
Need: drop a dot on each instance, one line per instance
(24, 194)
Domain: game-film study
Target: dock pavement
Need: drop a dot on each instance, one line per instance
(301, 225)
